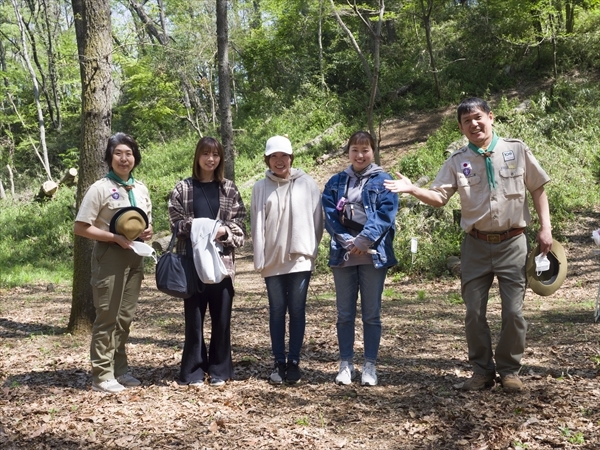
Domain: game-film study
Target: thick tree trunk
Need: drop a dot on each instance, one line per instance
(93, 31)
(226, 127)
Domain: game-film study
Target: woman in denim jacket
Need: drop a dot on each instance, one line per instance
(360, 217)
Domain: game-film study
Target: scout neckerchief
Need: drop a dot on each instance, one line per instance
(486, 153)
(128, 185)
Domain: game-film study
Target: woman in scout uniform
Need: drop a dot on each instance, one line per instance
(115, 211)
(208, 194)
(360, 217)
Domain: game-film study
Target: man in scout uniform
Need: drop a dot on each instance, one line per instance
(492, 176)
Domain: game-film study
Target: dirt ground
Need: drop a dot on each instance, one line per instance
(46, 401)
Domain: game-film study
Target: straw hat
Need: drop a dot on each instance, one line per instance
(129, 222)
(547, 282)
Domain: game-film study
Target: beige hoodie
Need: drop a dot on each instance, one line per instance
(286, 222)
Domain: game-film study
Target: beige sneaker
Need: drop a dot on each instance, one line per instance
(478, 381)
(511, 382)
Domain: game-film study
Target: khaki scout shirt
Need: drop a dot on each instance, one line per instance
(483, 208)
(105, 197)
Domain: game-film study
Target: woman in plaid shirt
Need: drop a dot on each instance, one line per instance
(207, 194)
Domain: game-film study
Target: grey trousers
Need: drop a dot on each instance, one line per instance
(480, 262)
(117, 276)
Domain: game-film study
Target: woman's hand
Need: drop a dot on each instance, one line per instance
(222, 231)
(122, 241)
(355, 251)
(147, 234)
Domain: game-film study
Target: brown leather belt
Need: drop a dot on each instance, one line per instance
(496, 238)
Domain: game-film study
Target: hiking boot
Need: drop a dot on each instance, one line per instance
(346, 373)
(217, 382)
(511, 382)
(369, 375)
(292, 372)
(478, 381)
(128, 381)
(108, 386)
(278, 374)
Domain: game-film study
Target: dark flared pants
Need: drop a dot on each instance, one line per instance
(217, 361)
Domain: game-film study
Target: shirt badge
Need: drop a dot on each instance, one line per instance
(508, 156)
(115, 194)
(466, 168)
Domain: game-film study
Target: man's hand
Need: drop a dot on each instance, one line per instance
(401, 185)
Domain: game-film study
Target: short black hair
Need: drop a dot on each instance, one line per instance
(471, 104)
(360, 137)
(121, 138)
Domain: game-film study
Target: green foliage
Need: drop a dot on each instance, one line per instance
(37, 240)
(162, 166)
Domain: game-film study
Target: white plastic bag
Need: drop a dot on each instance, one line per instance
(596, 237)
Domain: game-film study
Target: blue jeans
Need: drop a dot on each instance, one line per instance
(287, 293)
(348, 282)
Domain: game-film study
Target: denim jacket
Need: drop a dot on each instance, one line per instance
(380, 206)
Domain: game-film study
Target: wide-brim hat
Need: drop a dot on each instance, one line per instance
(129, 222)
(547, 282)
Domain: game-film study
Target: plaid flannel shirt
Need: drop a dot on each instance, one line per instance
(232, 214)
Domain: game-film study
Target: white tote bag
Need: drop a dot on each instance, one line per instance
(207, 259)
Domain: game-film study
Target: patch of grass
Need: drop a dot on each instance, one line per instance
(577, 438)
(389, 292)
(303, 421)
(421, 294)
(454, 298)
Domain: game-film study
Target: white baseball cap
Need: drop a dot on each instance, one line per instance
(278, 144)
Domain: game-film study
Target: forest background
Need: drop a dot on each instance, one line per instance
(315, 70)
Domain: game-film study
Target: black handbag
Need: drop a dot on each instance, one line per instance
(176, 274)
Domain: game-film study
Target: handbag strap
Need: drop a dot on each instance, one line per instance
(172, 243)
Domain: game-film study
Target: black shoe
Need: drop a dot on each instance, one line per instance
(292, 374)
(278, 374)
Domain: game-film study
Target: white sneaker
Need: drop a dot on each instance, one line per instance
(128, 381)
(345, 374)
(108, 386)
(369, 375)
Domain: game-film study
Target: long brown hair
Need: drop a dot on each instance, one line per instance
(209, 144)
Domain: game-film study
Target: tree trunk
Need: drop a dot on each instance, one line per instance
(226, 127)
(12, 180)
(52, 71)
(426, 17)
(94, 44)
(36, 93)
(320, 39)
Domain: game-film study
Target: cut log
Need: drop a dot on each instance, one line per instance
(455, 146)
(47, 190)
(316, 141)
(453, 264)
(162, 243)
(69, 178)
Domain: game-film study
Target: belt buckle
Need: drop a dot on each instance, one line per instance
(493, 238)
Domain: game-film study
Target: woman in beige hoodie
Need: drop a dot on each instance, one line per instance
(287, 226)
